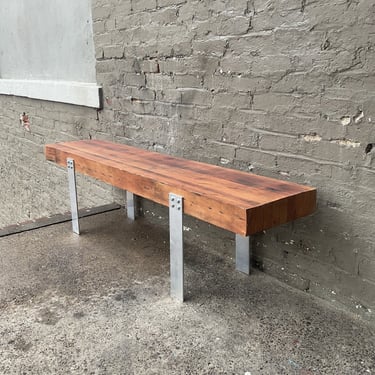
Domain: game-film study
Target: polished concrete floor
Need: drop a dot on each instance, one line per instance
(99, 304)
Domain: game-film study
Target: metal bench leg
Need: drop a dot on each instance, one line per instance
(176, 246)
(243, 254)
(73, 194)
(130, 205)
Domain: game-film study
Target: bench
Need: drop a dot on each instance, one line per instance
(241, 202)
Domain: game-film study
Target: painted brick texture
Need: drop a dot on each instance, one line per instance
(30, 187)
(280, 88)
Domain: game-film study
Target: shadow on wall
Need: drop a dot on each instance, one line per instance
(331, 261)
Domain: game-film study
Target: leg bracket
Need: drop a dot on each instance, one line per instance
(176, 246)
(73, 194)
(130, 205)
(243, 253)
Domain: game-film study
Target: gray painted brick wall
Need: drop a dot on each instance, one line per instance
(30, 187)
(280, 88)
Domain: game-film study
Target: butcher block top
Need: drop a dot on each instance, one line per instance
(241, 202)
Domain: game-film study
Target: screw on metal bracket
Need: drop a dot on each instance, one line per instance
(175, 202)
(70, 163)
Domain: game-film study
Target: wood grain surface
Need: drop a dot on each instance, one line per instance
(240, 202)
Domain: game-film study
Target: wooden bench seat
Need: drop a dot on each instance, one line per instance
(240, 202)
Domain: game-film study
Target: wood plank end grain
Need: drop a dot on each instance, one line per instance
(50, 152)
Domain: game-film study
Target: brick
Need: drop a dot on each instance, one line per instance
(232, 25)
(102, 40)
(127, 65)
(234, 83)
(239, 134)
(215, 47)
(134, 79)
(279, 142)
(207, 130)
(149, 66)
(222, 114)
(223, 150)
(186, 112)
(271, 65)
(233, 6)
(131, 21)
(107, 79)
(165, 16)
(142, 5)
(282, 124)
(298, 167)
(110, 25)
(301, 83)
(170, 96)
(253, 44)
(159, 81)
(335, 108)
(254, 159)
(279, 103)
(303, 41)
(195, 96)
(144, 35)
(239, 100)
(139, 93)
(235, 64)
(99, 53)
(271, 19)
(198, 12)
(336, 150)
(283, 273)
(173, 66)
(123, 8)
(101, 12)
(164, 3)
(113, 51)
(163, 109)
(188, 80)
(190, 65)
(98, 27)
(139, 107)
(154, 49)
(181, 49)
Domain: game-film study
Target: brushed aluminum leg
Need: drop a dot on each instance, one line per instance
(130, 205)
(176, 246)
(73, 194)
(243, 254)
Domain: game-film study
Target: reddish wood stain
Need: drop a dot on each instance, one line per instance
(240, 202)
